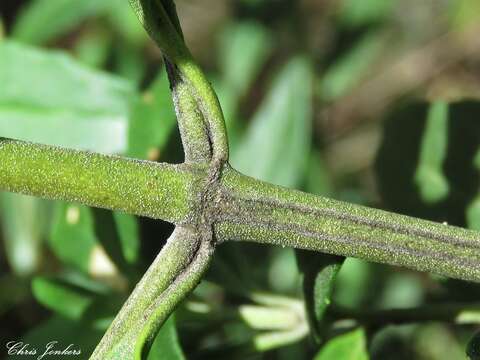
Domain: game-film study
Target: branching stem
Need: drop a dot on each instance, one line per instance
(210, 202)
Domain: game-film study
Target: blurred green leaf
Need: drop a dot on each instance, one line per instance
(446, 343)
(402, 290)
(43, 20)
(166, 344)
(319, 274)
(73, 237)
(464, 13)
(14, 291)
(118, 234)
(24, 221)
(317, 179)
(348, 346)
(152, 121)
(355, 13)
(345, 73)
(473, 347)
(429, 176)
(92, 48)
(283, 273)
(124, 21)
(129, 234)
(129, 63)
(48, 97)
(65, 332)
(268, 318)
(473, 209)
(353, 282)
(275, 339)
(63, 298)
(244, 49)
(280, 130)
(283, 315)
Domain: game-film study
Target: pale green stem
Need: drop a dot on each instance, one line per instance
(257, 211)
(241, 208)
(196, 143)
(157, 20)
(174, 273)
(160, 191)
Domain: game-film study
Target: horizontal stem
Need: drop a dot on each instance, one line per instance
(261, 212)
(160, 191)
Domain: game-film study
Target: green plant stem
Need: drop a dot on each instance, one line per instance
(457, 313)
(257, 211)
(160, 20)
(174, 273)
(239, 207)
(160, 191)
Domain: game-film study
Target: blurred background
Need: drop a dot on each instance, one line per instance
(374, 102)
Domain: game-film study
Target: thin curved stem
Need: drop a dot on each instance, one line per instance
(159, 19)
(160, 191)
(174, 273)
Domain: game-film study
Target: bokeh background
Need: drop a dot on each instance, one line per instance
(373, 102)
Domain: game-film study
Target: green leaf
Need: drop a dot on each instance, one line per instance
(348, 346)
(275, 339)
(60, 296)
(15, 291)
(463, 13)
(129, 62)
(283, 272)
(317, 181)
(244, 48)
(354, 278)
(93, 47)
(436, 341)
(43, 20)
(124, 21)
(345, 73)
(429, 175)
(73, 238)
(355, 13)
(24, 221)
(48, 97)
(319, 274)
(473, 209)
(268, 318)
(152, 121)
(118, 234)
(65, 332)
(129, 235)
(473, 347)
(280, 130)
(283, 316)
(166, 344)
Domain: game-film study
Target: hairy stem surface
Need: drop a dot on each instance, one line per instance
(160, 191)
(174, 273)
(265, 213)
